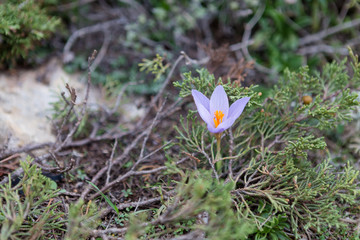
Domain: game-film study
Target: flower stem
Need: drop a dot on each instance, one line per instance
(218, 164)
(218, 144)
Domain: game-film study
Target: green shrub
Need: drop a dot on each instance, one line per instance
(32, 208)
(23, 24)
(284, 179)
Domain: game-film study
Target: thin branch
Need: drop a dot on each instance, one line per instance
(149, 130)
(322, 48)
(246, 36)
(138, 203)
(238, 46)
(231, 149)
(202, 151)
(57, 169)
(119, 96)
(161, 91)
(103, 49)
(132, 173)
(71, 5)
(67, 116)
(327, 32)
(149, 155)
(110, 161)
(83, 110)
(68, 55)
(189, 60)
(26, 149)
(10, 158)
(126, 152)
(116, 160)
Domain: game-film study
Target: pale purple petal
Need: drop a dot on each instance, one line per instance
(200, 98)
(227, 123)
(237, 107)
(219, 101)
(205, 115)
(212, 129)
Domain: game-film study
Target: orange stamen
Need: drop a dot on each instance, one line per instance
(218, 118)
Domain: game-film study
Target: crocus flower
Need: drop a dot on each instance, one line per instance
(216, 112)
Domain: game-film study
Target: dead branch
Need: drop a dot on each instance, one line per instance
(116, 160)
(68, 55)
(72, 103)
(149, 130)
(26, 149)
(161, 91)
(133, 173)
(110, 161)
(57, 169)
(327, 32)
(103, 49)
(324, 48)
(189, 60)
(195, 235)
(10, 158)
(138, 203)
(83, 110)
(72, 5)
(111, 111)
(246, 37)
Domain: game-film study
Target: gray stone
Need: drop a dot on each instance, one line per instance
(25, 102)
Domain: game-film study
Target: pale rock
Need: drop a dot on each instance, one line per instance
(25, 99)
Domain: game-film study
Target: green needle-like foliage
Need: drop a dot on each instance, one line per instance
(27, 208)
(276, 157)
(22, 25)
(30, 209)
(199, 194)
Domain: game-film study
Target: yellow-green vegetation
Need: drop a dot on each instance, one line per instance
(32, 209)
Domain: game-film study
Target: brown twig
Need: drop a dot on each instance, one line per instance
(138, 203)
(26, 149)
(132, 173)
(122, 156)
(57, 169)
(9, 158)
(83, 110)
(72, 103)
(116, 160)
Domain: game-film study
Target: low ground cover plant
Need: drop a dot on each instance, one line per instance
(264, 172)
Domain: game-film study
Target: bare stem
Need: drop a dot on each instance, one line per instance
(218, 146)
